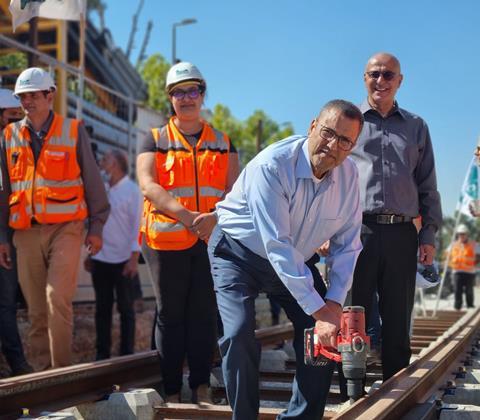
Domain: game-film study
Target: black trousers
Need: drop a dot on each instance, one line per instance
(9, 337)
(108, 281)
(463, 282)
(388, 264)
(185, 325)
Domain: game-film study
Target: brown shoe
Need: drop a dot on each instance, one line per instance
(202, 395)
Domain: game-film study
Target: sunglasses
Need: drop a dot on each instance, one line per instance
(192, 93)
(387, 75)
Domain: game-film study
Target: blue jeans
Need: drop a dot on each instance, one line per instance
(9, 337)
(239, 275)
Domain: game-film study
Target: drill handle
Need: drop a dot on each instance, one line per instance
(330, 353)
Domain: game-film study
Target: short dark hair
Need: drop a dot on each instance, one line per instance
(121, 158)
(348, 109)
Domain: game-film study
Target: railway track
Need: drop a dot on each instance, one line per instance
(66, 387)
(438, 344)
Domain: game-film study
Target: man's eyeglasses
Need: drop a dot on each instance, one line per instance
(192, 93)
(328, 134)
(387, 75)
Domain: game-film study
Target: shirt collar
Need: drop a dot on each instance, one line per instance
(45, 127)
(365, 107)
(303, 168)
(119, 183)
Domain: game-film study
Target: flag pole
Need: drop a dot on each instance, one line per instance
(452, 239)
(445, 264)
(81, 65)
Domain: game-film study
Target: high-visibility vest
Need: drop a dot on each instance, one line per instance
(462, 257)
(195, 176)
(50, 190)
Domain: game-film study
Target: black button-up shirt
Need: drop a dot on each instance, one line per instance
(394, 156)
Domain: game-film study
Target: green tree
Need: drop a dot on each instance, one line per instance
(244, 133)
(270, 132)
(153, 71)
(223, 120)
(16, 60)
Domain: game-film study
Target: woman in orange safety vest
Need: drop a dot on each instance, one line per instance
(184, 168)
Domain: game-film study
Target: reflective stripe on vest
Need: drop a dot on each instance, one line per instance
(213, 192)
(195, 177)
(166, 227)
(58, 208)
(182, 192)
(51, 189)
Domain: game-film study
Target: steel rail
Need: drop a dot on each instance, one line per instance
(397, 396)
(65, 387)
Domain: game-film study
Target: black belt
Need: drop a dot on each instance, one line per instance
(386, 219)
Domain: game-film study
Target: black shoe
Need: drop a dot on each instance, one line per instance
(22, 369)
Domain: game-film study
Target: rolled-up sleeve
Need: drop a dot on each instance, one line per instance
(269, 207)
(95, 194)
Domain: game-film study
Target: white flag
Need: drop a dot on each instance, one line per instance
(469, 195)
(23, 10)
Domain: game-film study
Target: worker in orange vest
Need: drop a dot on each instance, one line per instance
(184, 168)
(462, 263)
(51, 185)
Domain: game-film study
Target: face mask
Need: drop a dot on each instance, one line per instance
(105, 176)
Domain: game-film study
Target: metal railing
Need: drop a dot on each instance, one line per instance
(109, 114)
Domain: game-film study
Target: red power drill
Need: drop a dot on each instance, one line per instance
(352, 347)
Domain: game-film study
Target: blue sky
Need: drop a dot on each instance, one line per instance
(290, 57)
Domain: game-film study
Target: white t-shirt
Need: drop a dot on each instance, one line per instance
(120, 233)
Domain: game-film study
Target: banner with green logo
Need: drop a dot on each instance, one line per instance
(23, 10)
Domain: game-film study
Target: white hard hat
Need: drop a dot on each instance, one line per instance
(183, 72)
(34, 79)
(7, 100)
(461, 228)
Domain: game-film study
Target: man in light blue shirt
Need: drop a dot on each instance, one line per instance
(291, 198)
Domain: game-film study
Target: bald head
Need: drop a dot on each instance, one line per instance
(383, 57)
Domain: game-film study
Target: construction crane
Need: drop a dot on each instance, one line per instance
(134, 29)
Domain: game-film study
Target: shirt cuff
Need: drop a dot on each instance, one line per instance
(135, 247)
(311, 303)
(427, 235)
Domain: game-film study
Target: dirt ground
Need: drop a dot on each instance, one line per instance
(84, 333)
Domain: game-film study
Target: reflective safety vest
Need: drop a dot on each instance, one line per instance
(462, 257)
(50, 190)
(195, 177)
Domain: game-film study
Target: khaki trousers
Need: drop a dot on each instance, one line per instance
(48, 257)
